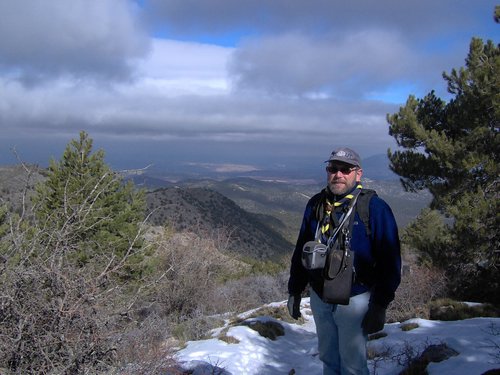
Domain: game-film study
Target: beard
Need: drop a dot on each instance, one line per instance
(341, 187)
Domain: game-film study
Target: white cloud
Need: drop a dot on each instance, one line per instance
(180, 68)
(44, 39)
(298, 64)
(300, 79)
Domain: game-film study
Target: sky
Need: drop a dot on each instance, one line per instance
(243, 84)
(474, 341)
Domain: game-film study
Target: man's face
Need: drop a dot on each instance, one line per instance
(342, 177)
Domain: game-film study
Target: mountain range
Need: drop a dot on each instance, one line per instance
(259, 214)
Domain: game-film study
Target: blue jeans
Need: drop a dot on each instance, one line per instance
(341, 342)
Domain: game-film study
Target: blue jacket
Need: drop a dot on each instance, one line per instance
(377, 258)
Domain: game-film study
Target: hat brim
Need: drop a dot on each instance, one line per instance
(343, 160)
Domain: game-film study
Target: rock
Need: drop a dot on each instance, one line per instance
(270, 329)
(437, 353)
(433, 353)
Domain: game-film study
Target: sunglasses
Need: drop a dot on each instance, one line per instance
(344, 170)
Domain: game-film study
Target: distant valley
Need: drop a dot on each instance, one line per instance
(281, 204)
(277, 197)
(262, 213)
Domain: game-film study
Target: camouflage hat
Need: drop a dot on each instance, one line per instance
(345, 155)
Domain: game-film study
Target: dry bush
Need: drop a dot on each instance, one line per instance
(249, 292)
(447, 309)
(147, 349)
(60, 313)
(419, 285)
(194, 266)
(194, 283)
(51, 322)
(58, 317)
(494, 342)
(196, 326)
(194, 292)
(191, 266)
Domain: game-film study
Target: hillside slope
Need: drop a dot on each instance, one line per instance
(204, 210)
(285, 201)
(280, 205)
(184, 209)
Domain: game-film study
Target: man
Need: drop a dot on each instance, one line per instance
(342, 329)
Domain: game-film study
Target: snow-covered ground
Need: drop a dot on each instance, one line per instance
(476, 340)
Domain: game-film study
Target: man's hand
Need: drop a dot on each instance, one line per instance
(294, 305)
(374, 319)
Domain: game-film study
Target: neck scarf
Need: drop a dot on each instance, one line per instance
(329, 207)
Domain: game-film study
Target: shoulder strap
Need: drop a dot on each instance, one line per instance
(363, 207)
(318, 207)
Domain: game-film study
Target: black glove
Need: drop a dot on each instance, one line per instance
(374, 319)
(294, 305)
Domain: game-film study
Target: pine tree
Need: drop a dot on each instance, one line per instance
(85, 212)
(429, 234)
(453, 150)
(66, 267)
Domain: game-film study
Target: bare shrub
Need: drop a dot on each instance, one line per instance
(412, 358)
(74, 299)
(147, 348)
(50, 322)
(195, 289)
(377, 355)
(494, 342)
(249, 292)
(70, 276)
(447, 309)
(57, 317)
(191, 265)
(197, 270)
(194, 266)
(418, 287)
(404, 355)
(407, 357)
(196, 326)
